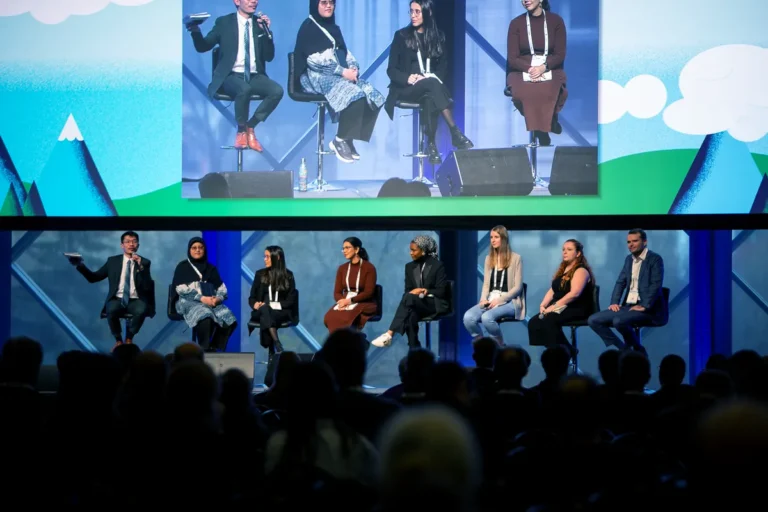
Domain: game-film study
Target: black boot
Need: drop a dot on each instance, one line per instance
(434, 154)
(275, 340)
(459, 140)
(543, 138)
(557, 128)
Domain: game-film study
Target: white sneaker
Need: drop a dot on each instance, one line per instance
(384, 340)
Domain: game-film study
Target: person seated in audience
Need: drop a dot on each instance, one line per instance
(272, 298)
(450, 387)
(426, 289)
(569, 298)
(396, 391)
(417, 376)
(481, 377)
(554, 361)
(201, 298)
(672, 391)
(275, 396)
(354, 289)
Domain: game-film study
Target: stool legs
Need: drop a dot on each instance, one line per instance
(239, 160)
(575, 345)
(428, 335)
(418, 127)
(319, 184)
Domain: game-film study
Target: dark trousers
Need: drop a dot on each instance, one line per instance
(236, 86)
(211, 336)
(115, 309)
(623, 321)
(548, 331)
(356, 122)
(410, 310)
(269, 318)
(433, 97)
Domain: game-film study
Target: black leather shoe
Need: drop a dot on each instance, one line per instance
(355, 154)
(543, 138)
(341, 148)
(434, 154)
(459, 140)
(557, 128)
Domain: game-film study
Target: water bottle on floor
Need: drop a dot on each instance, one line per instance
(303, 175)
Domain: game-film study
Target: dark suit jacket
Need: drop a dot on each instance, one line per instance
(435, 281)
(225, 34)
(260, 292)
(649, 286)
(145, 286)
(403, 63)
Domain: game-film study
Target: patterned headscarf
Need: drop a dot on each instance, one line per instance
(427, 245)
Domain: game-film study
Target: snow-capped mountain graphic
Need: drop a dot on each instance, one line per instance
(723, 178)
(70, 184)
(34, 205)
(10, 182)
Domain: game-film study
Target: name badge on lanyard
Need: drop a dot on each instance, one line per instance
(350, 293)
(538, 60)
(340, 57)
(274, 304)
(426, 71)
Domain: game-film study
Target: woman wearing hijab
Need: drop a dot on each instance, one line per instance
(201, 295)
(418, 66)
(272, 298)
(354, 289)
(325, 66)
(426, 293)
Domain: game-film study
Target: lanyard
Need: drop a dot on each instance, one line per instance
(497, 283)
(425, 71)
(546, 34)
(196, 271)
(270, 294)
(327, 34)
(357, 284)
(422, 274)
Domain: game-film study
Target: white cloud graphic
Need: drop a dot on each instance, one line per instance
(643, 97)
(724, 89)
(52, 12)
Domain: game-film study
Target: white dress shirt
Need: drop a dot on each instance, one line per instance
(633, 297)
(133, 294)
(240, 60)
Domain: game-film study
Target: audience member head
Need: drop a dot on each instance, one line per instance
(449, 384)
(192, 391)
(285, 367)
(671, 370)
(188, 352)
(125, 355)
(401, 368)
(236, 390)
(579, 399)
(745, 368)
(21, 360)
(555, 361)
(418, 370)
(717, 362)
(511, 366)
(429, 459)
(344, 353)
(88, 380)
(484, 352)
(634, 371)
(714, 385)
(608, 365)
(149, 374)
(312, 393)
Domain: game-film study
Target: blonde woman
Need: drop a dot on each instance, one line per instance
(502, 294)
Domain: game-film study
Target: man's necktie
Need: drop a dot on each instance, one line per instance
(127, 284)
(247, 38)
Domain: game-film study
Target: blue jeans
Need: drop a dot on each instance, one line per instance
(623, 321)
(475, 316)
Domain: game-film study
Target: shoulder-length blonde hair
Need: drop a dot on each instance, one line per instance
(581, 261)
(502, 255)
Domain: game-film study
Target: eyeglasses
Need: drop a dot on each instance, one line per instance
(345, 247)
(417, 12)
(328, 3)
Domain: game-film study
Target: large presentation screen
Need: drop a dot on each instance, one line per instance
(245, 108)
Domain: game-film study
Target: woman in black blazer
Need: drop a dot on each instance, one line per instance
(417, 69)
(272, 298)
(426, 293)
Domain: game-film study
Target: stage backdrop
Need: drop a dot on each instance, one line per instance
(53, 303)
(91, 96)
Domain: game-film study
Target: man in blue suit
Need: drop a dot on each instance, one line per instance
(641, 277)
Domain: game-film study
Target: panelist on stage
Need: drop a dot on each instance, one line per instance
(131, 289)
(325, 66)
(502, 294)
(536, 46)
(418, 66)
(201, 296)
(569, 298)
(642, 277)
(354, 289)
(246, 44)
(426, 289)
(272, 298)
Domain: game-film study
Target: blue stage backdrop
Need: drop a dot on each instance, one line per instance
(50, 301)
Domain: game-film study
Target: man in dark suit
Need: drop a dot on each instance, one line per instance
(642, 277)
(131, 289)
(426, 293)
(245, 45)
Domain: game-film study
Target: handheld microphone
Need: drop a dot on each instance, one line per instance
(264, 25)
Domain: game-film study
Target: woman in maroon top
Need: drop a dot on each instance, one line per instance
(354, 289)
(536, 45)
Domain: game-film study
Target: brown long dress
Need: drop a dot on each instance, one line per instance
(366, 307)
(537, 101)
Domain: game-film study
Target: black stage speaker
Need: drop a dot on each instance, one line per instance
(486, 172)
(240, 185)
(223, 361)
(574, 171)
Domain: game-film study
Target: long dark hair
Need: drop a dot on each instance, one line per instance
(276, 275)
(357, 244)
(545, 5)
(434, 39)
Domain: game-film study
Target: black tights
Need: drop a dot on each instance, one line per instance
(212, 337)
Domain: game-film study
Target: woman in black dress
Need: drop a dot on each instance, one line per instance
(272, 298)
(568, 299)
(418, 66)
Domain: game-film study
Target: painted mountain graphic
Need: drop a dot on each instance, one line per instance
(10, 182)
(70, 184)
(33, 207)
(761, 199)
(723, 178)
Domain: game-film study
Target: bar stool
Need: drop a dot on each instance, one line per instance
(532, 147)
(575, 324)
(427, 321)
(419, 148)
(296, 93)
(225, 97)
